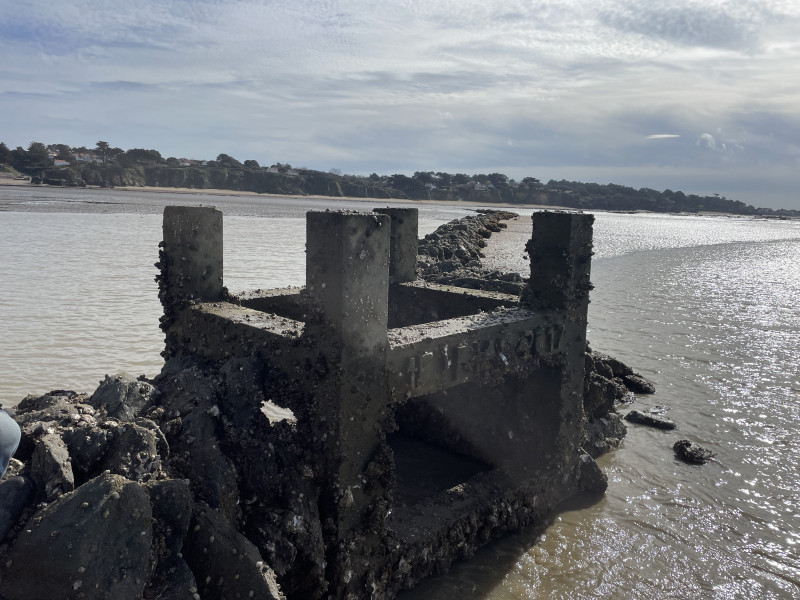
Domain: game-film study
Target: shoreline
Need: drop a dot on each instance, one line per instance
(465, 203)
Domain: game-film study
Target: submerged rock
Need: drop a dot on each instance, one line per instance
(650, 419)
(692, 453)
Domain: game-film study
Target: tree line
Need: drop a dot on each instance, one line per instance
(105, 166)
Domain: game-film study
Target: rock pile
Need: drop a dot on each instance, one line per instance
(96, 507)
(451, 255)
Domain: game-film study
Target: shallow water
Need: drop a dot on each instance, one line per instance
(704, 306)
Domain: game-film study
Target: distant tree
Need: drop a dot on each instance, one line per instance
(5, 154)
(498, 180)
(228, 161)
(18, 158)
(252, 164)
(460, 179)
(335, 171)
(375, 178)
(141, 156)
(173, 162)
(424, 177)
(102, 150)
(38, 157)
(113, 153)
(531, 182)
(444, 179)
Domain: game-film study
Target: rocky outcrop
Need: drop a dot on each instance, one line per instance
(99, 504)
(608, 384)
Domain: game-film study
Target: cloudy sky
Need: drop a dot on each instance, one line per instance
(695, 95)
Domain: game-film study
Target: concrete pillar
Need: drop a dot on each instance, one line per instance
(347, 284)
(191, 259)
(560, 251)
(404, 241)
(347, 276)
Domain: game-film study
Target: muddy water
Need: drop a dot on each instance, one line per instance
(706, 307)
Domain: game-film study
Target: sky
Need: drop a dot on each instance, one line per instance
(699, 96)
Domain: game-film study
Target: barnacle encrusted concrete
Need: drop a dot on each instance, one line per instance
(427, 419)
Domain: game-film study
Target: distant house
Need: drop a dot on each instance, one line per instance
(185, 162)
(86, 158)
(430, 186)
(292, 173)
(57, 162)
(272, 170)
(481, 187)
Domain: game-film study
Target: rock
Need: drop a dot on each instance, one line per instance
(638, 384)
(618, 368)
(213, 476)
(692, 453)
(136, 452)
(603, 434)
(171, 503)
(87, 447)
(51, 469)
(650, 419)
(123, 396)
(95, 540)
(592, 479)
(15, 494)
(232, 565)
(451, 255)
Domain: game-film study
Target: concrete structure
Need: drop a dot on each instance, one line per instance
(428, 419)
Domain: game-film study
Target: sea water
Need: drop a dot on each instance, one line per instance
(703, 306)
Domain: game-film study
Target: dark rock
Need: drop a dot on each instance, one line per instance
(123, 396)
(95, 540)
(451, 255)
(618, 368)
(87, 446)
(603, 434)
(199, 457)
(136, 452)
(51, 469)
(15, 494)
(638, 384)
(650, 419)
(231, 563)
(592, 479)
(171, 503)
(599, 395)
(692, 453)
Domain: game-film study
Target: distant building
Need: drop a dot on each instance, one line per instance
(57, 162)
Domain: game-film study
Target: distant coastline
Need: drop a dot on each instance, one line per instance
(370, 200)
(106, 167)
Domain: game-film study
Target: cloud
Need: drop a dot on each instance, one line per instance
(398, 87)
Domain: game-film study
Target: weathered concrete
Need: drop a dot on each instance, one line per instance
(365, 350)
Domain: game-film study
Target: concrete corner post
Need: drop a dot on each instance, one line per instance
(404, 242)
(191, 262)
(560, 251)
